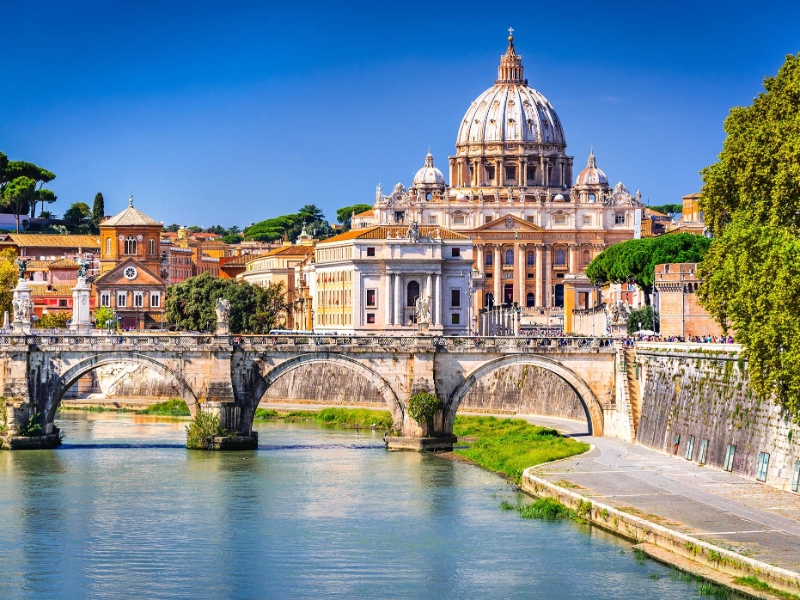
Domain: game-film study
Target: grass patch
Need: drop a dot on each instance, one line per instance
(174, 407)
(509, 446)
(264, 414)
(96, 409)
(762, 586)
(203, 427)
(715, 591)
(350, 418)
(506, 505)
(547, 509)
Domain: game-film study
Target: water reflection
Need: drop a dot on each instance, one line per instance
(125, 511)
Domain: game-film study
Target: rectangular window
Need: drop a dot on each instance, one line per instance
(560, 219)
(763, 465)
(619, 218)
(372, 298)
(62, 302)
(487, 219)
(511, 173)
(455, 298)
(458, 220)
(455, 252)
(433, 219)
(587, 219)
(796, 477)
(701, 458)
(530, 219)
(531, 174)
(455, 318)
(370, 251)
(138, 299)
(689, 448)
(730, 452)
(371, 318)
(122, 299)
(155, 300)
(105, 299)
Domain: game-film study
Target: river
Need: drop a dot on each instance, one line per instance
(123, 510)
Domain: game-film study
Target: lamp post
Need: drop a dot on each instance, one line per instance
(312, 320)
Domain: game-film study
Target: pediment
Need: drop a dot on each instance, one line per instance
(509, 223)
(117, 275)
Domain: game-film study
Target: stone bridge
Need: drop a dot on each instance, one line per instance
(228, 375)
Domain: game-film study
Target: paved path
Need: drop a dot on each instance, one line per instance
(718, 507)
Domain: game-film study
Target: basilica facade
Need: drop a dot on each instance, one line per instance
(512, 193)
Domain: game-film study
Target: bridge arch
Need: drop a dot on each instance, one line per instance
(58, 388)
(591, 405)
(383, 387)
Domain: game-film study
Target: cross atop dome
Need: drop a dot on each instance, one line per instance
(510, 69)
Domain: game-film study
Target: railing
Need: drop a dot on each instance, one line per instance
(174, 341)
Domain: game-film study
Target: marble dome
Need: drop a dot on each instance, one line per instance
(429, 175)
(591, 175)
(511, 110)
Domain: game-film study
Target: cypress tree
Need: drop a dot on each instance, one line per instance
(98, 209)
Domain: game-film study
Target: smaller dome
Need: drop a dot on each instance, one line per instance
(591, 175)
(460, 196)
(429, 175)
(559, 198)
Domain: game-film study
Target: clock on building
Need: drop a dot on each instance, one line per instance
(129, 272)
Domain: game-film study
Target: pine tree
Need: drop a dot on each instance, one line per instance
(98, 210)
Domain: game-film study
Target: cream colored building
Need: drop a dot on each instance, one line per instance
(368, 281)
(512, 193)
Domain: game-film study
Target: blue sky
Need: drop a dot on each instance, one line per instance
(232, 112)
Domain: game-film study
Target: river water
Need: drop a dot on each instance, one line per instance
(123, 510)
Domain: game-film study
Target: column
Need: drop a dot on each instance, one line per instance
(388, 301)
(498, 273)
(574, 257)
(548, 275)
(539, 270)
(543, 172)
(453, 167)
(395, 320)
(519, 288)
(437, 315)
(481, 260)
(429, 285)
(499, 175)
(523, 172)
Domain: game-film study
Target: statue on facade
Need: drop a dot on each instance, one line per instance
(378, 194)
(617, 313)
(423, 306)
(22, 265)
(413, 233)
(223, 310)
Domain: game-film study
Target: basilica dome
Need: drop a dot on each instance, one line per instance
(510, 111)
(591, 175)
(429, 175)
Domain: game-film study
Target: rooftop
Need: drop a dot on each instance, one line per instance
(53, 240)
(385, 232)
(130, 217)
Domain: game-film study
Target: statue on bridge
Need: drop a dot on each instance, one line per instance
(82, 264)
(223, 312)
(22, 265)
(22, 308)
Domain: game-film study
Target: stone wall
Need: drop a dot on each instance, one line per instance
(705, 394)
(322, 383)
(523, 389)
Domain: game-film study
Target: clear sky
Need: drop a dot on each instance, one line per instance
(232, 112)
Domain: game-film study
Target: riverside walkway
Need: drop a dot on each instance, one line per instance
(729, 511)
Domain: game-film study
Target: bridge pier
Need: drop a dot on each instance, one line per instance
(21, 428)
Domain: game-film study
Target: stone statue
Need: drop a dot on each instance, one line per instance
(413, 232)
(617, 313)
(378, 193)
(82, 264)
(223, 310)
(22, 308)
(480, 195)
(22, 265)
(424, 310)
(639, 197)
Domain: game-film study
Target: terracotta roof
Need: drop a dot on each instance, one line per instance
(241, 259)
(695, 196)
(654, 213)
(383, 232)
(64, 263)
(366, 213)
(130, 216)
(288, 251)
(39, 265)
(40, 289)
(27, 240)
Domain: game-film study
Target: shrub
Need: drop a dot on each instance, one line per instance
(33, 427)
(548, 509)
(422, 406)
(202, 429)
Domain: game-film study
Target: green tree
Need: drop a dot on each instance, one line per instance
(24, 197)
(8, 278)
(232, 239)
(78, 217)
(344, 215)
(751, 200)
(636, 260)
(102, 316)
(17, 195)
(644, 318)
(98, 210)
(57, 320)
(667, 209)
(191, 305)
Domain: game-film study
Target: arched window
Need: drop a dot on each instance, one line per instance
(108, 246)
(130, 245)
(509, 257)
(561, 257)
(531, 258)
(489, 300)
(412, 293)
(530, 300)
(585, 257)
(152, 246)
(489, 258)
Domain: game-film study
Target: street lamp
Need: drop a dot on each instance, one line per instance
(312, 320)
